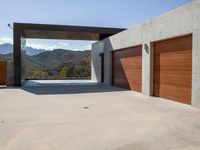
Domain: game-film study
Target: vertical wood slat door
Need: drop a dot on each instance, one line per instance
(127, 68)
(173, 69)
(3, 73)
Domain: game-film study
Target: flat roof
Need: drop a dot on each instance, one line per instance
(69, 32)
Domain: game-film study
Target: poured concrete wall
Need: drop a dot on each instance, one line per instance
(96, 62)
(196, 55)
(181, 21)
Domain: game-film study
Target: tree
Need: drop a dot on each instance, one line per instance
(38, 74)
(64, 72)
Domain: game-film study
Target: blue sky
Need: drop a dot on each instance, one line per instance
(103, 13)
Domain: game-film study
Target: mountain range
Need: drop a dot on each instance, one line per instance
(50, 62)
(7, 48)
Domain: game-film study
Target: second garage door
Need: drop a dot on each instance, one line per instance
(173, 69)
(127, 68)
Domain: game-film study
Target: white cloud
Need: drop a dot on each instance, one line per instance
(59, 44)
(52, 44)
(6, 40)
(43, 46)
(47, 46)
(64, 44)
(89, 46)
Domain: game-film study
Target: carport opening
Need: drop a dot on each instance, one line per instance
(23, 32)
(56, 60)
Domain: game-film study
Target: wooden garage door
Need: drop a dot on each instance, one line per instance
(3, 73)
(173, 69)
(127, 68)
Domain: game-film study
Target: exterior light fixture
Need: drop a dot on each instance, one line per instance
(146, 47)
(9, 25)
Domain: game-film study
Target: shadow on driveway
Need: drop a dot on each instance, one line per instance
(71, 89)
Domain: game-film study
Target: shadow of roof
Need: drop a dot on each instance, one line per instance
(71, 89)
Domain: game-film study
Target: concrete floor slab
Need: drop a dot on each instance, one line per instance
(58, 82)
(94, 117)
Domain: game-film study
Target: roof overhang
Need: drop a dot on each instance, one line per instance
(44, 31)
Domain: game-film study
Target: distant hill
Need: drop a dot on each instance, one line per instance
(32, 51)
(57, 57)
(6, 57)
(8, 48)
(51, 62)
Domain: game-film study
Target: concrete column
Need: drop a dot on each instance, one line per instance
(147, 61)
(108, 62)
(196, 55)
(97, 48)
(147, 69)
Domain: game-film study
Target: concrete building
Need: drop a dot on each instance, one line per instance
(157, 58)
(160, 57)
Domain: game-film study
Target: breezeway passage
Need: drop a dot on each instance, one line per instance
(52, 118)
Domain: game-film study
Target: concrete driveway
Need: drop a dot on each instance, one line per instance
(94, 118)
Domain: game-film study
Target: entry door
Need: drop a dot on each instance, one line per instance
(173, 69)
(127, 68)
(102, 67)
(3, 73)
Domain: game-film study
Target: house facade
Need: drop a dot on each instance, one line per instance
(160, 57)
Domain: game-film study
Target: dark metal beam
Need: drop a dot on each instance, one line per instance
(17, 56)
(44, 31)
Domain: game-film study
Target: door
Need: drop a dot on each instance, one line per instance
(127, 68)
(173, 69)
(102, 67)
(3, 73)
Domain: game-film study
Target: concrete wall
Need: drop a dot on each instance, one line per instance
(96, 61)
(181, 21)
(196, 55)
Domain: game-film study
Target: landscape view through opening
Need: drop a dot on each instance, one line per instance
(59, 60)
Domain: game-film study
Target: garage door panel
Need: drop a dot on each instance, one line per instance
(171, 48)
(136, 87)
(171, 45)
(135, 75)
(122, 83)
(174, 60)
(127, 68)
(171, 91)
(125, 84)
(127, 52)
(173, 77)
(173, 69)
(132, 62)
(129, 74)
(126, 63)
(126, 55)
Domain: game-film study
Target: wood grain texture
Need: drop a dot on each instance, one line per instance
(127, 68)
(3, 73)
(173, 69)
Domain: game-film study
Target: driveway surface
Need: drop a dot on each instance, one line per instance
(94, 117)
